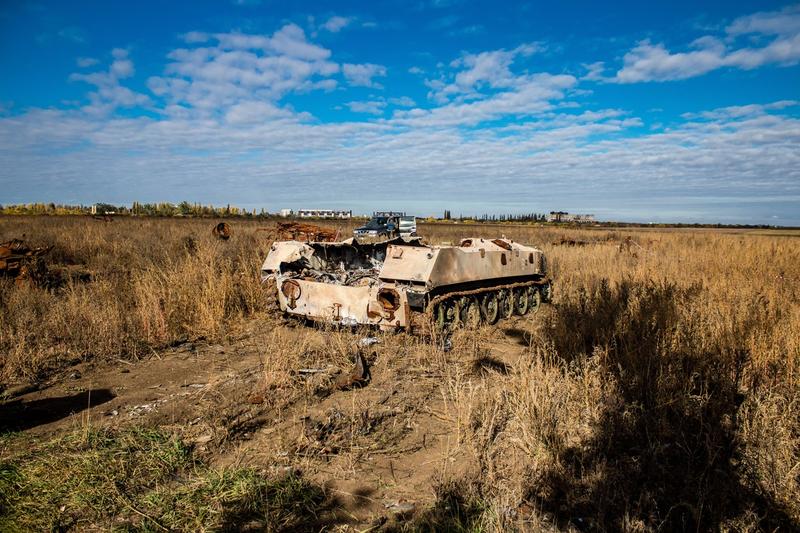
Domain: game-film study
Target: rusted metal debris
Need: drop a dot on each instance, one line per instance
(299, 231)
(564, 241)
(357, 377)
(632, 248)
(399, 283)
(21, 261)
(27, 265)
(222, 231)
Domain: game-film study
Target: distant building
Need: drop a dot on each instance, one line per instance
(286, 212)
(389, 213)
(563, 216)
(323, 213)
(102, 209)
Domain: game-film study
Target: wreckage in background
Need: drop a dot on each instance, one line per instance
(404, 283)
(21, 261)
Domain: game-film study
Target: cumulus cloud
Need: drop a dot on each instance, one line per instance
(402, 101)
(109, 93)
(594, 71)
(649, 61)
(490, 69)
(372, 107)
(85, 62)
(122, 67)
(587, 158)
(193, 37)
(783, 22)
(336, 24)
(229, 68)
(529, 95)
(256, 112)
(220, 123)
(362, 75)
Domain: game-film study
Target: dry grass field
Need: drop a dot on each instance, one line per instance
(158, 389)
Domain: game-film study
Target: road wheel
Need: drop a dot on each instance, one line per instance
(520, 301)
(445, 315)
(490, 307)
(506, 300)
(547, 292)
(469, 312)
(534, 299)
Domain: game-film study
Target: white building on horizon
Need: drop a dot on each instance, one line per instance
(324, 213)
(563, 216)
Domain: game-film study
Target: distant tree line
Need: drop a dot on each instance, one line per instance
(43, 209)
(161, 209)
(523, 217)
(188, 209)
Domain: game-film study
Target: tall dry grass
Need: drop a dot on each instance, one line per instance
(658, 392)
(153, 282)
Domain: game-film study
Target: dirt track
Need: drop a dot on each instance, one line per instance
(376, 449)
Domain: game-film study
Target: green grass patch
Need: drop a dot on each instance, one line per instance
(138, 480)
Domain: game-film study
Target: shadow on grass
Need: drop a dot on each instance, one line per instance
(520, 336)
(20, 415)
(485, 364)
(664, 455)
(458, 508)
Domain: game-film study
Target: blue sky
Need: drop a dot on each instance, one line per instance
(672, 112)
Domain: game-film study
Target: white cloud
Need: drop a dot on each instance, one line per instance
(194, 37)
(255, 112)
(654, 62)
(229, 68)
(594, 71)
(336, 24)
(738, 112)
(490, 69)
(109, 94)
(551, 158)
(372, 107)
(219, 129)
(85, 62)
(361, 75)
(122, 67)
(291, 41)
(783, 22)
(530, 95)
(402, 101)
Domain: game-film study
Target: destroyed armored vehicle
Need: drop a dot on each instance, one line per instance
(403, 284)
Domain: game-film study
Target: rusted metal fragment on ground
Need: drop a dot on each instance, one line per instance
(299, 231)
(358, 376)
(21, 261)
(222, 231)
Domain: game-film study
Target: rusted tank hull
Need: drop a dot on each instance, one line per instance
(397, 283)
(344, 305)
(475, 260)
